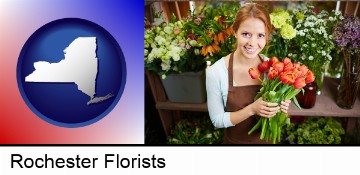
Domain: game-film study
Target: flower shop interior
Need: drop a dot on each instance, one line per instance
(183, 38)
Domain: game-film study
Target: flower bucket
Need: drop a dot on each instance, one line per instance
(348, 88)
(187, 87)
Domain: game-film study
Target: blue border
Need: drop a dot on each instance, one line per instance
(99, 117)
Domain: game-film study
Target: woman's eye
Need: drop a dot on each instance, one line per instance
(246, 35)
(261, 36)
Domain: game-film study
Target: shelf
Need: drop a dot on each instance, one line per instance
(325, 104)
(182, 106)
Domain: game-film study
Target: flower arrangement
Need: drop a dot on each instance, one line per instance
(313, 42)
(185, 45)
(346, 34)
(347, 37)
(211, 29)
(284, 81)
(284, 32)
(305, 36)
(164, 45)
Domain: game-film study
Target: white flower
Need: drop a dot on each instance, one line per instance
(323, 53)
(150, 58)
(329, 57)
(168, 30)
(196, 51)
(165, 65)
(311, 57)
(193, 43)
(160, 40)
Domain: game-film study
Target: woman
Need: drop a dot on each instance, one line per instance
(230, 89)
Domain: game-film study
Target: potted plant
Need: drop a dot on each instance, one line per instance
(195, 131)
(347, 37)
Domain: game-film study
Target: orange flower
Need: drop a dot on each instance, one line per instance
(288, 67)
(296, 65)
(286, 60)
(264, 66)
(297, 72)
(310, 77)
(303, 69)
(299, 83)
(279, 66)
(272, 74)
(221, 37)
(210, 49)
(273, 60)
(287, 77)
(254, 73)
(229, 31)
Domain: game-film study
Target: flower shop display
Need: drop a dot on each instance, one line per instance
(305, 36)
(211, 29)
(164, 47)
(313, 43)
(179, 50)
(195, 131)
(347, 37)
(283, 82)
(315, 130)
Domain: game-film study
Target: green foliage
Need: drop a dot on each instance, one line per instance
(315, 130)
(195, 131)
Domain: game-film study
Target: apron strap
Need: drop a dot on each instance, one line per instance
(230, 72)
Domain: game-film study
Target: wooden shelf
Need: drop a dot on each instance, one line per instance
(325, 104)
(182, 106)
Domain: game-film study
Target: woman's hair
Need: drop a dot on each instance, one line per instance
(255, 11)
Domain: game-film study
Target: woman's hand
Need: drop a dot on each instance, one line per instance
(266, 109)
(285, 105)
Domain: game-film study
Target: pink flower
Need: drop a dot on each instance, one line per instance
(197, 21)
(176, 31)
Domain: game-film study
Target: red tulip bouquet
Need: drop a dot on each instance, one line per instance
(284, 81)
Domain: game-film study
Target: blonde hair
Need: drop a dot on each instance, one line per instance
(255, 11)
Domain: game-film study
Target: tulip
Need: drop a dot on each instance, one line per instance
(303, 69)
(279, 66)
(273, 60)
(299, 83)
(272, 74)
(296, 65)
(310, 77)
(264, 66)
(254, 73)
(287, 77)
(288, 67)
(286, 60)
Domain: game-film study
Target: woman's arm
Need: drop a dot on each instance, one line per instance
(216, 106)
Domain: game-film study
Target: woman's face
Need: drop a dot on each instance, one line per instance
(251, 37)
